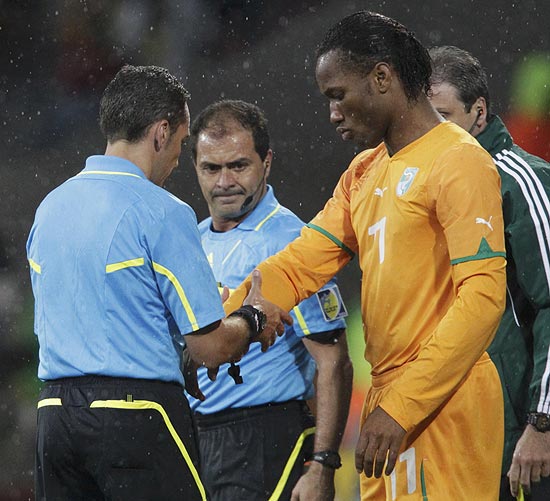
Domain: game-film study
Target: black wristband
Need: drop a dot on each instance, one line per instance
(331, 459)
(254, 317)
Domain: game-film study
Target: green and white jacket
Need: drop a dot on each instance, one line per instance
(520, 349)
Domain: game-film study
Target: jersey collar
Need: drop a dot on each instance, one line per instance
(265, 207)
(495, 137)
(111, 165)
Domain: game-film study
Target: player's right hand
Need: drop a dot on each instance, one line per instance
(275, 317)
(379, 442)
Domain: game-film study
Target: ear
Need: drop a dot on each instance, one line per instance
(480, 109)
(382, 76)
(161, 134)
(267, 162)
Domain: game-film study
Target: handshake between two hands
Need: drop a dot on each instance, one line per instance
(274, 326)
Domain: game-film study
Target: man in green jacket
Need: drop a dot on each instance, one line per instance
(520, 349)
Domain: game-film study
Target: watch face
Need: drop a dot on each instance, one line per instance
(263, 320)
(540, 421)
(543, 423)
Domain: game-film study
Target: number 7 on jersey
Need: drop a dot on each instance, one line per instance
(379, 226)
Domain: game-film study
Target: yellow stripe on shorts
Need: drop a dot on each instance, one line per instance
(290, 463)
(46, 402)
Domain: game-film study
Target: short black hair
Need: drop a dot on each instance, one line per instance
(366, 38)
(218, 116)
(137, 97)
(463, 71)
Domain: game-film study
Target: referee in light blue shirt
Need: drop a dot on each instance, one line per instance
(115, 266)
(256, 436)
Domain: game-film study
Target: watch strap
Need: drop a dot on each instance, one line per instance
(254, 317)
(331, 459)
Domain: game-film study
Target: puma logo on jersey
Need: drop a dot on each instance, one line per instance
(480, 220)
(380, 191)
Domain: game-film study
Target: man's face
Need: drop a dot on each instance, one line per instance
(355, 108)
(170, 154)
(445, 100)
(231, 174)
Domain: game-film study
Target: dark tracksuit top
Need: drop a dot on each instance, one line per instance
(520, 349)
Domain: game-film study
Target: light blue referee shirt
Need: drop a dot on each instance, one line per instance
(286, 370)
(118, 274)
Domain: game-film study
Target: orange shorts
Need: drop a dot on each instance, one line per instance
(456, 454)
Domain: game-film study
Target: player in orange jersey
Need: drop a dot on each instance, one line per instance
(421, 208)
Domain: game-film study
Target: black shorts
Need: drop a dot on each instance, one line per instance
(255, 453)
(117, 439)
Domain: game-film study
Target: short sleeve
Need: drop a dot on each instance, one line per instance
(322, 312)
(183, 274)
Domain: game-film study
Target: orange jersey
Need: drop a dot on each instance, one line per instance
(427, 226)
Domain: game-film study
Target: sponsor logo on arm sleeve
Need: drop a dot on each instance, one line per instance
(331, 303)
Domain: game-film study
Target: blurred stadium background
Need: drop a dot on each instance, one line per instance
(57, 56)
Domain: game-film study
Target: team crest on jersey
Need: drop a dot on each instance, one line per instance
(406, 180)
(331, 303)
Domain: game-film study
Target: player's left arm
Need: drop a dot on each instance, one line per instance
(442, 364)
(463, 194)
(466, 194)
(333, 393)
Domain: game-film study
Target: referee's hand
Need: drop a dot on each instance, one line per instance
(531, 460)
(275, 316)
(189, 369)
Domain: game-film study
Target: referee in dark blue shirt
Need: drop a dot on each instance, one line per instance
(122, 287)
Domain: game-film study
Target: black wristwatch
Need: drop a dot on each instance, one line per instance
(255, 318)
(330, 459)
(539, 420)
